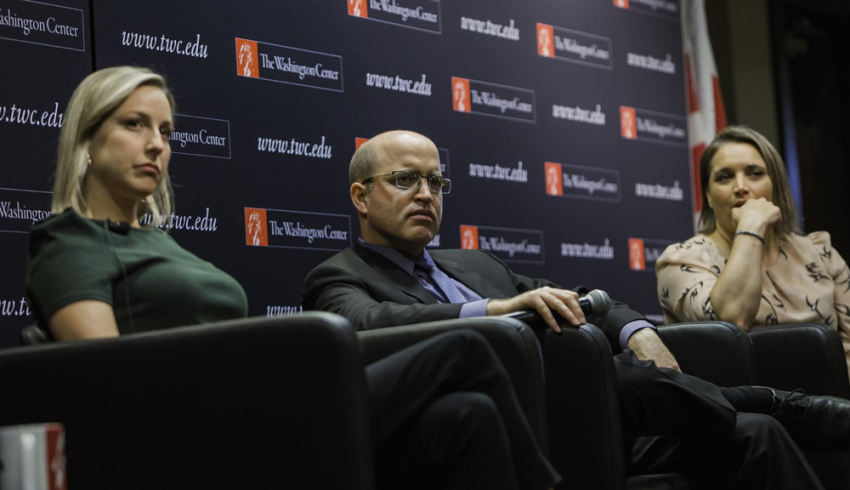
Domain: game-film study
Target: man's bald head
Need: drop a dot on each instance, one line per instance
(368, 157)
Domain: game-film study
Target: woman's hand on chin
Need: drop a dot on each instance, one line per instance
(756, 215)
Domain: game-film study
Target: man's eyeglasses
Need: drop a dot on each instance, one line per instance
(405, 180)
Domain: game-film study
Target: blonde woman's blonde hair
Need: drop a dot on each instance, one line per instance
(782, 196)
(94, 100)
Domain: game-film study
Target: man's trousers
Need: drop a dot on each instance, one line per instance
(445, 415)
(698, 432)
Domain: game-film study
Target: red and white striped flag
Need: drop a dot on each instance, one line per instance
(707, 116)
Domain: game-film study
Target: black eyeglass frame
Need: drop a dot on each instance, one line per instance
(433, 180)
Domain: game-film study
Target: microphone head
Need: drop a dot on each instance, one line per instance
(600, 301)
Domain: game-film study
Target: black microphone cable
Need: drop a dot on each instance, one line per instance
(123, 271)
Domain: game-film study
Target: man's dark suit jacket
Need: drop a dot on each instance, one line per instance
(373, 292)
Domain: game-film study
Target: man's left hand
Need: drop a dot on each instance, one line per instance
(647, 345)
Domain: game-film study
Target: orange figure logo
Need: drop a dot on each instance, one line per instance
(545, 38)
(460, 94)
(356, 9)
(554, 182)
(256, 231)
(636, 254)
(469, 237)
(628, 128)
(56, 466)
(623, 4)
(358, 142)
(247, 58)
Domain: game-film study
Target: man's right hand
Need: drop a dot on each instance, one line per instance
(543, 300)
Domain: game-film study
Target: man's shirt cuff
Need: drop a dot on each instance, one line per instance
(474, 308)
(627, 331)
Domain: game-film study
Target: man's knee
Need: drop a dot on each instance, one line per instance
(760, 429)
(466, 338)
(463, 413)
(469, 344)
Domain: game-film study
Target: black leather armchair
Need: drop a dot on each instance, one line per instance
(808, 356)
(514, 344)
(258, 403)
(586, 439)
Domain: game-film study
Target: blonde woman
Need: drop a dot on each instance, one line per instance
(94, 270)
(750, 264)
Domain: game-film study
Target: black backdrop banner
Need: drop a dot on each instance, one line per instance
(563, 126)
(45, 51)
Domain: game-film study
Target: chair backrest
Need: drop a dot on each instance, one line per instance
(257, 403)
(803, 355)
(718, 352)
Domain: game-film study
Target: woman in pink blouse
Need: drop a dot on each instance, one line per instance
(750, 265)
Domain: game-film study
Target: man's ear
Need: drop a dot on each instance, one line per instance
(360, 198)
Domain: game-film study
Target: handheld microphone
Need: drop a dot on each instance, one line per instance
(595, 303)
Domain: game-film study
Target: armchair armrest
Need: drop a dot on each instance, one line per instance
(804, 355)
(585, 429)
(512, 341)
(718, 352)
(257, 403)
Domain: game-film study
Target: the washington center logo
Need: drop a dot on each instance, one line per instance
(573, 46)
(623, 4)
(469, 237)
(637, 260)
(43, 24)
(582, 182)
(554, 186)
(421, 15)
(628, 125)
(508, 244)
(493, 99)
(246, 58)
(460, 94)
(256, 232)
(201, 136)
(22, 208)
(281, 228)
(645, 252)
(285, 64)
(357, 8)
(653, 127)
(545, 40)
